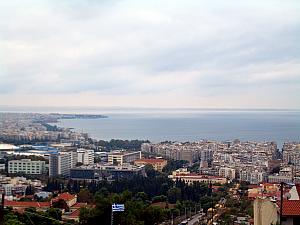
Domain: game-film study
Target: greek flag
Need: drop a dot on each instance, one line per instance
(117, 207)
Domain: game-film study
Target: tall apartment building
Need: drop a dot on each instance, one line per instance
(123, 157)
(85, 156)
(26, 166)
(74, 158)
(60, 163)
(206, 155)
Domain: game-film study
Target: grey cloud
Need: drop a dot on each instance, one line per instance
(198, 48)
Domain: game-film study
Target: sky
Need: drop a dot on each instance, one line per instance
(183, 54)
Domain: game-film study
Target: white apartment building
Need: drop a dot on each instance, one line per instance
(60, 164)
(11, 189)
(257, 177)
(123, 157)
(227, 172)
(206, 155)
(85, 156)
(280, 178)
(26, 166)
(74, 158)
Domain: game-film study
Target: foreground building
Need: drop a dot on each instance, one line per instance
(267, 204)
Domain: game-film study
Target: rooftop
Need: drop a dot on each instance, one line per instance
(150, 160)
(26, 204)
(291, 208)
(65, 196)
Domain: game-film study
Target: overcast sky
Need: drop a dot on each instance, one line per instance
(219, 54)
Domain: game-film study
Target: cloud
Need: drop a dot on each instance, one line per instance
(203, 51)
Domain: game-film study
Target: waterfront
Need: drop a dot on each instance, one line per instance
(156, 126)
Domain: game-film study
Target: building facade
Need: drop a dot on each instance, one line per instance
(26, 166)
(227, 172)
(85, 156)
(158, 164)
(60, 164)
(190, 178)
(123, 157)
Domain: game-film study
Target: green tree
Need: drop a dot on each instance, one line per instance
(174, 194)
(85, 195)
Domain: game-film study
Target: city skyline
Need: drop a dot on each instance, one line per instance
(171, 54)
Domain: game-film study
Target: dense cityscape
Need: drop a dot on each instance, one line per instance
(132, 112)
(54, 175)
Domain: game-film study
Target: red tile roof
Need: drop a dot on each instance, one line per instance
(196, 175)
(150, 161)
(291, 208)
(27, 204)
(74, 214)
(65, 196)
(79, 205)
(252, 186)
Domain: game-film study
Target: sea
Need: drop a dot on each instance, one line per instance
(157, 125)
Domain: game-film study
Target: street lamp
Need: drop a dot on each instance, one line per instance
(212, 202)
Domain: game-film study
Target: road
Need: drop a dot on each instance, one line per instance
(195, 219)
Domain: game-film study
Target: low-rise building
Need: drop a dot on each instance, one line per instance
(189, 178)
(67, 197)
(82, 173)
(280, 178)
(12, 186)
(26, 166)
(158, 164)
(120, 171)
(120, 157)
(17, 205)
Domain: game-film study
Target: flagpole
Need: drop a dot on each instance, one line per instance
(112, 216)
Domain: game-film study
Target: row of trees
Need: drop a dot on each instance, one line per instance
(120, 144)
(137, 210)
(30, 216)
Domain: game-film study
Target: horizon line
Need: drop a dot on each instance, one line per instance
(148, 108)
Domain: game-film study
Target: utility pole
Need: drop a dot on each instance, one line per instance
(2, 210)
(185, 212)
(281, 201)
